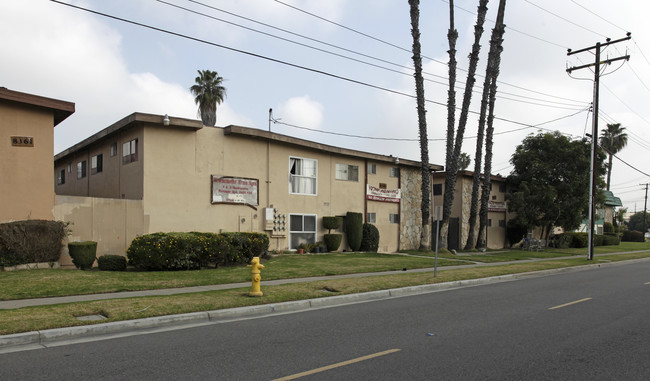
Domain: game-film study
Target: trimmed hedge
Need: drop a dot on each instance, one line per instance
(186, 251)
(581, 240)
(83, 254)
(31, 241)
(332, 241)
(354, 230)
(370, 239)
(330, 223)
(110, 262)
(632, 236)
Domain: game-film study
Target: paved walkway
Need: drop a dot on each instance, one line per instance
(13, 304)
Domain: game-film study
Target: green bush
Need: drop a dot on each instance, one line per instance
(354, 230)
(370, 238)
(330, 223)
(608, 227)
(111, 262)
(610, 239)
(31, 241)
(83, 254)
(632, 236)
(332, 241)
(186, 251)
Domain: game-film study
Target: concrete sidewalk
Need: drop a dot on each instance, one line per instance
(102, 331)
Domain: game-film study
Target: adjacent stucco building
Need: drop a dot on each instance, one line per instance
(151, 173)
(27, 124)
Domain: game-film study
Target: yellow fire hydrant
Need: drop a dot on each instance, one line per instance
(257, 278)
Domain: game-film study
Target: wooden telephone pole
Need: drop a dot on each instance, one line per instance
(594, 128)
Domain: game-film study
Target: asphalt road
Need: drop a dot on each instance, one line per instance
(591, 324)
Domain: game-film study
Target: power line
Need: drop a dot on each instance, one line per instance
(597, 15)
(564, 19)
(547, 103)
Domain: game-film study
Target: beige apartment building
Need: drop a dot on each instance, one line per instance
(153, 173)
(459, 222)
(27, 124)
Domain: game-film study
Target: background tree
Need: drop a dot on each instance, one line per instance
(463, 161)
(620, 216)
(208, 91)
(549, 184)
(612, 140)
(425, 238)
(636, 221)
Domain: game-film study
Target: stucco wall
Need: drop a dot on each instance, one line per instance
(27, 185)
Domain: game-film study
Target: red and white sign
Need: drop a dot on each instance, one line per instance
(383, 195)
(497, 206)
(234, 190)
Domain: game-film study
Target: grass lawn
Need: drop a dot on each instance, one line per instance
(58, 282)
(64, 315)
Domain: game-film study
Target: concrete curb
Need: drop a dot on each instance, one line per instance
(45, 338)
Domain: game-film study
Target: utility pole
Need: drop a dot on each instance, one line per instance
(594, 128)
(645, 206)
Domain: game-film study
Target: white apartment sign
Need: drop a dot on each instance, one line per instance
(383, 195)
(497, 206)
(235, 190)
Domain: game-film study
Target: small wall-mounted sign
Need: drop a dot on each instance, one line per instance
(22, 141)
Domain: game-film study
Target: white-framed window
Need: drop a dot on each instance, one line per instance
(371, 218)
(372, 168)
(302, 229)
(113, 149)
(347, 172)
(60, 180)
(81, 169)
(69, 167)
(394, 218)
(393, 172)
(130, 151)
(303, 175)
(96, 164)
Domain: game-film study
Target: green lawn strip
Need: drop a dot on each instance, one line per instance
(57, 282)
(64, 315)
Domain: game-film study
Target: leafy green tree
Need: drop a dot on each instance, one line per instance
(463, 161)
(550, 181)
(208, 91)
(636, 221)
(612, 140)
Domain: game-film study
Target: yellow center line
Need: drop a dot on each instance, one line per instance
(337, 365)
(570, 303)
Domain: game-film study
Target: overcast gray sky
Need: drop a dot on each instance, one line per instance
(111, 68)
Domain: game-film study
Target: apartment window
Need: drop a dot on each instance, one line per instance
(113, 149)
(502, 223)
(372, 169)
(81, 169)
(69, 167)
(394, 172)
(61, 177)
(347, 172)
(371, 218)
(437, 189)
(383, 186)
(502, 188)
(494, 197)
(394, 218)
(130, 151)
(302, 229)
(489, 222)
(302, 175)
(96, 164)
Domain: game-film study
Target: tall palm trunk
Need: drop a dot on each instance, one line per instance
(425, 237)
(451, 164)
(496, 47)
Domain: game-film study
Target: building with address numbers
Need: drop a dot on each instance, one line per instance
(27, 124)
(154, 173)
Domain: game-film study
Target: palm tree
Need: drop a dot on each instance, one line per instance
(425, 238)
(208, 92)
(612, 140)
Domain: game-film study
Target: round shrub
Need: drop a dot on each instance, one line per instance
(370, 239)
(354, 229)
(330, 223)
(111, 263)
(83, 254)
(332, 241)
